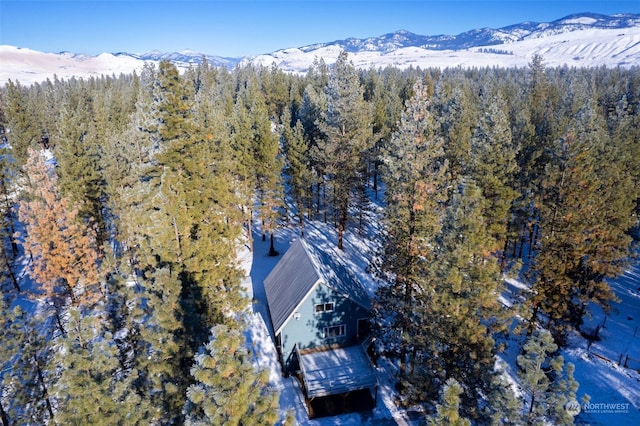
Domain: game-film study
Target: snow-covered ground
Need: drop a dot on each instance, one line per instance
(614, 390)
(609, 382)
(257, 266)
(589, 47)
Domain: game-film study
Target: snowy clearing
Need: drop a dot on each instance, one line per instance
(613, 389)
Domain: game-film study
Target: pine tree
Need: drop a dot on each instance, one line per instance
(275, 85)
(462, 308)
(242, 137)
(24, 355)
(298, 167)
(267, 167)
(414, 172)
(542, 378)
(625, 127)
(503, 407)
(199, 204)
(494, 167)
(8, 349)
(76, 158)
(128, 310)
(585, 218)
(126, 156)
(534, 131)
(62, 247)
(448, 411)
(525, 215)
(257, 148)
(87, 363)
(7, 219)
(158, 368)
(23, 131)
(387, 107)
(227, 389)
(346, 124)
(456, 113)
(310, 116)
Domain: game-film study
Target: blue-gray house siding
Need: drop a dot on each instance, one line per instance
(314, 302)
(309, 329)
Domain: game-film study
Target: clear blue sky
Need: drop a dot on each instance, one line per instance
(241, 28)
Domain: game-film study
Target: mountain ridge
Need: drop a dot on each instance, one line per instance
(581, 39)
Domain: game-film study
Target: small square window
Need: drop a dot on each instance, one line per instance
(324, 307)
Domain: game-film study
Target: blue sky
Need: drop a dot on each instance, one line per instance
(241, 28)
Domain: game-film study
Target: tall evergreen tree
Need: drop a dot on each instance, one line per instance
(543, 378)
(456, 114)
(310, 116)
(76, 159)
(298, 167)
(62, 247)
(24, 355)
(257, 149)
(494, 167)
(8, 245)
(228, 389)
(88, 367)
(585, 218)
(22, 130)
(384, 94)
(161, 351)
(415, 177)
(461, 307)
(347, 126)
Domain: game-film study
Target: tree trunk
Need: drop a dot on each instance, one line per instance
(249, 226)
(532, 321)
(272, 250)
(3, 416)
(45, 393)
(58, 319)
(503, 257)
(375, 179)
(177, 235)
(529, 416)
(7, 264)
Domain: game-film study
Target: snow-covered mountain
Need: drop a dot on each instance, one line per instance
(30, 66)
(578, 40)
(184, 58)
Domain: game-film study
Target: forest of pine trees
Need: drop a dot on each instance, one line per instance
(125, 201)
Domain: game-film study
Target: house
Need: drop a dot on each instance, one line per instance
(319, 313)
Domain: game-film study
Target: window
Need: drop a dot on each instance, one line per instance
(324, 307)
(335, 331)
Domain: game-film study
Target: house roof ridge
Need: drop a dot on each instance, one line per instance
(315, 256)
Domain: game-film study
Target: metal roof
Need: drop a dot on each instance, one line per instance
(296, 275)
(336, 371)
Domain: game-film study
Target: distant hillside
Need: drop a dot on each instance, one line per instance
(578, 40)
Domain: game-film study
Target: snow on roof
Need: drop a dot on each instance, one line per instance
(298, 272)
(337, 371)
(289, 283)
